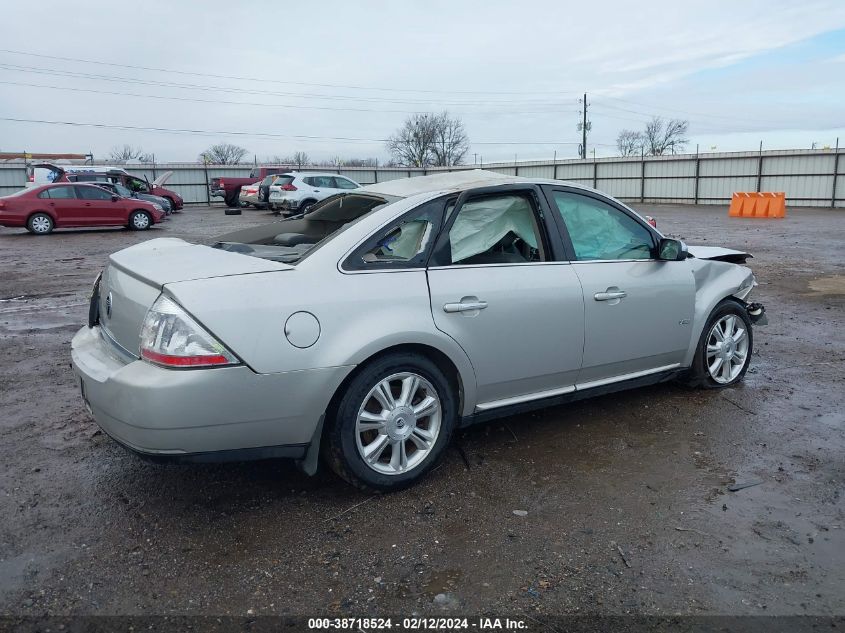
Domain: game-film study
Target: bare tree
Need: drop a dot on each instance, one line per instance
(450, 143)
(223, 154)
(412, 143)
(124, 153)
(300, 159)
(629, 142)
(663, 137)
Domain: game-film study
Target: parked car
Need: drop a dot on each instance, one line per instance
(229, 187)
(249, 195)
(390, 316)
(123, 192)
(63, 205)
(85, 173)
(297, 191)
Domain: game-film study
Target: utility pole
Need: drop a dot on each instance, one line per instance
(584, 125)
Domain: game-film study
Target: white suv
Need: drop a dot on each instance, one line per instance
(296, 191)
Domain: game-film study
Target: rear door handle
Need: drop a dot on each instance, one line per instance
(610, 295)
(464, 306)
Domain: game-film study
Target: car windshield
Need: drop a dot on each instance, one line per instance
(122, 191)
(289, 241)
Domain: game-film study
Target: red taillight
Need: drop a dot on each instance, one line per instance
(32, 178)
(288, 187)
(2, 204)
(184, 361)
(220, 183)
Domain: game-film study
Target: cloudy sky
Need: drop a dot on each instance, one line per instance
(336, 78)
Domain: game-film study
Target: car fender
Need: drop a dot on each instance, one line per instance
(715, 281)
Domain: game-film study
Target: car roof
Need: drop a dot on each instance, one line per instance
(455, 181)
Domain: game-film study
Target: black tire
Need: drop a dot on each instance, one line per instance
(306, 205)
(40, 223)
(340, 444)
(172, 205)
(232, 198)
(699, 375)
(137, 221)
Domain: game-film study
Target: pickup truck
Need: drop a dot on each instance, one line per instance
(229, 187)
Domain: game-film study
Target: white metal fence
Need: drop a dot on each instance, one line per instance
(808, 177)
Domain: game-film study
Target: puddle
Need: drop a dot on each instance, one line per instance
(834, 285)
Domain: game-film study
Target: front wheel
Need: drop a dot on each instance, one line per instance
(140, 221)
(724, 349)
(392, 424)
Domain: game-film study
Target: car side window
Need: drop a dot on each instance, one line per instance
(404, 243)
(59, 193)
(599, 231)
(496, 229)
(343, 183)
(92, 193)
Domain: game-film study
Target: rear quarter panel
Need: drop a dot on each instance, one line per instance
(359, 315)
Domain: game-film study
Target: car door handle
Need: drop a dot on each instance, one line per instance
(464, 306)
(610, 295)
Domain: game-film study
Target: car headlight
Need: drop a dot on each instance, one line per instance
(170, 337)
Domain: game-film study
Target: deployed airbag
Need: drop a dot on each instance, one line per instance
(481, 224)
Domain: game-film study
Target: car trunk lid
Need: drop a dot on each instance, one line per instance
(135, 277)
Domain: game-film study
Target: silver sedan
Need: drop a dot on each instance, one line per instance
(370, 329)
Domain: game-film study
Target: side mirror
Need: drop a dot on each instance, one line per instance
(672, 250)
(115, 198)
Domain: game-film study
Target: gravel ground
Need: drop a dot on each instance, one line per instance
(625, 497)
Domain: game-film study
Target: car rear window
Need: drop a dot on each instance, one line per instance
(281, 181)
(58, 193)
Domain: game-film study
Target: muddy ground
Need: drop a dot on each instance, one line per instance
(627, 504)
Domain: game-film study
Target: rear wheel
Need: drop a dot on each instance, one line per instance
(392, 424)
(172, 204)
(140, 221)
(306, 205)
(40, 224)
(724, 349)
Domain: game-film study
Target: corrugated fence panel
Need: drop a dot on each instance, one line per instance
(806, 176)
(626, 169)
(799, 187)
(628, 189)
(670, 168)
(717, 190)
(537, 171)
(798, 164)
(11, 179)
(728, 167)
(575, 171)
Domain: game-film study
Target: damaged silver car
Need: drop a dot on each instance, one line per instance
(370, 329)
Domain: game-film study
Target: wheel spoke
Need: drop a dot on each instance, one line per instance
(373, 451)
(717, 332)
(370, 421)
(716, 366)
(730, 325)
(410, 385)
(422, 438)
(739, 335)
(713, 350)
(726, 371)
(428, 406)
(399, 456)
(384, 396)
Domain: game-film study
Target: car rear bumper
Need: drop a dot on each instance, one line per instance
(223, 414)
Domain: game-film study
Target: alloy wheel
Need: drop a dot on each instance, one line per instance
(140, 221)
(398, 423)
(727, 349)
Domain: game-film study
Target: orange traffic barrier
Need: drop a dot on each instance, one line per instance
(758, 205)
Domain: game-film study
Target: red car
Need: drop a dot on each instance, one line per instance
(41, 209)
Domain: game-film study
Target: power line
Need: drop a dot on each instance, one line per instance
(266, 80)
(181, 86)
(254, 134)
(265, 105)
